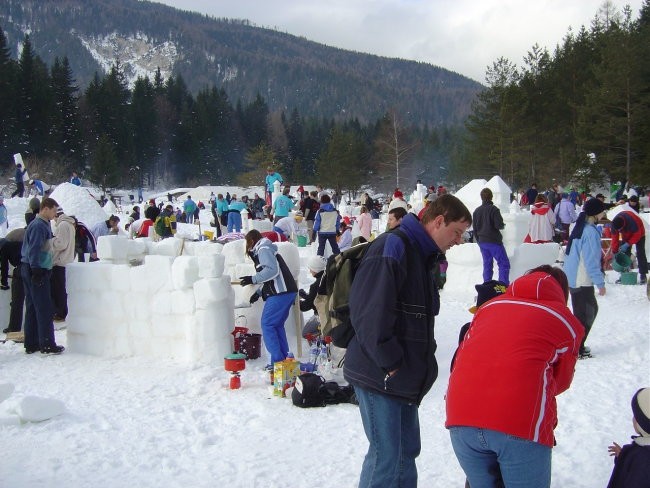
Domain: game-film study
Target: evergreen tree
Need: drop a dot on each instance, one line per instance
(339, 166)
(65, 134)
(9, 129)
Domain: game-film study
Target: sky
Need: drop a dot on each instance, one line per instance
(465, 36)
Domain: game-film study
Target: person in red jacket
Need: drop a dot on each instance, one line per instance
(518, 354)
(630, 227)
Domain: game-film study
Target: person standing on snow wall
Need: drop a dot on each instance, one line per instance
(271, 177)
(278, 290)
(488, 224)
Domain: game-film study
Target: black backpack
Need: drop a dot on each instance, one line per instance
(311, 390)
(338, 277)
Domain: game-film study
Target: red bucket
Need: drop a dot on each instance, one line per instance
(249, 344)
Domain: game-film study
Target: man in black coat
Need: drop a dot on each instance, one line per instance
(488, 224)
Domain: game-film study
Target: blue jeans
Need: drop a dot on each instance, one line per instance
(234, 221)
(487, 456)
(39, 328)
(322, 239)
(489, 251)
(393, 431)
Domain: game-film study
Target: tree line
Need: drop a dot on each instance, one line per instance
(157, 133)
(581, 114)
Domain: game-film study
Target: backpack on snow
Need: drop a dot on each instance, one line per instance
(334, 305)
(311, 390)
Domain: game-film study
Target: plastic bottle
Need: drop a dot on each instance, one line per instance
(322, 355)
(313, 352)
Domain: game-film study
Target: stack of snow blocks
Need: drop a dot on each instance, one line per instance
(166, 300)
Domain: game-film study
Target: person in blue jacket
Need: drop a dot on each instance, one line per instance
(189, 206)
(271, 177)
(390, 361)
(276, 286)
(36, 270)
(20, 183)
(74, 179)
(234, 215)
(327, 225)
(583, 269)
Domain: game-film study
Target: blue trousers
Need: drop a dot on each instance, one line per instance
(275, 313)
(393, 431)
(322, 239)
(488, 456)
(490, 251)
(234, 221)
(39, 328)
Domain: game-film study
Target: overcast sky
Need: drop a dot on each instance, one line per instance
(464, 36)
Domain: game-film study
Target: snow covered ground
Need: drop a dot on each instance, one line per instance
(154, 423)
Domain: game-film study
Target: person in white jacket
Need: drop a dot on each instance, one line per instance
(63, 253)
(541, 227)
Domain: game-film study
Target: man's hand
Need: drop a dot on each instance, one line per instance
(246, 280)
(254, 297)
(625, 247)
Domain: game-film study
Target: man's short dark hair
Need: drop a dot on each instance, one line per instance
(450, 207)
(398, 212)
(486, 195)
(114, 218)
(48, 203)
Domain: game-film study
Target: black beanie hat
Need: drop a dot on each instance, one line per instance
(593, 207)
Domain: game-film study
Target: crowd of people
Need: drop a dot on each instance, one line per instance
(506, 438)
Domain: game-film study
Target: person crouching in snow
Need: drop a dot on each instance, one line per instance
(632, 461)
(278, 289)
(289, 226)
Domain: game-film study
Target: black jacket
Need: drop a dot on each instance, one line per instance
(631, 467)
(307, 299)
(393, 304)
(487, 223)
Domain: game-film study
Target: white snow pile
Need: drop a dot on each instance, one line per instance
(77, 201)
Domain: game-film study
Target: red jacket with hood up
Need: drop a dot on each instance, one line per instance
(519, 353)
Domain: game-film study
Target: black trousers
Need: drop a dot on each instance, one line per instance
(17, 301)
(58, 292)
(585, 308)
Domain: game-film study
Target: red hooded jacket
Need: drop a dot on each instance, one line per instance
(632, 231)
(519, 353)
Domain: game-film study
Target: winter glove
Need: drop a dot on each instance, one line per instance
(302, 293)
(246, 280)
(254, 297)
(38, 276)
(625, 247)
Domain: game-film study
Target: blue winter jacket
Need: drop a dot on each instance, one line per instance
(393, 304)
(328, 220)
(37, 244)
(582, 264)
(272, 271)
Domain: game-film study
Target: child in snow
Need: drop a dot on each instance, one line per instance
(632, 461)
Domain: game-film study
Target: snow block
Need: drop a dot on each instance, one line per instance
(113, 248)
(37, 409)
(185, 271)
(261, 225)
(213, 290)
(528, 256)
(291, 256)
(168, 247)
(87, 276)
(161, 304)
(85, 344)
(204, 248)
(211, 265)
(243, 269)
(6, 389)
(158, 272)
(136, 249)
(168, 327)
(234, 252)
(182, 302)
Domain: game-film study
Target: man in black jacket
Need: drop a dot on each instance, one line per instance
(390, 361)
(488, 224)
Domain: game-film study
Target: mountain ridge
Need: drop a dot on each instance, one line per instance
(244, 59)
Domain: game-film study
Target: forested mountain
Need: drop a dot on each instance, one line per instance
(289, 72)
(580, 113)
